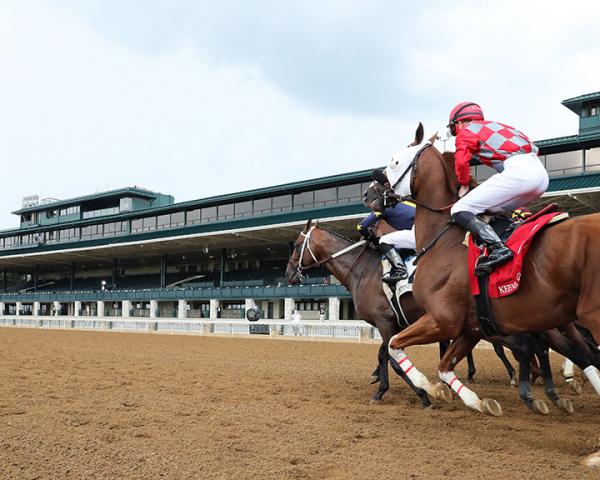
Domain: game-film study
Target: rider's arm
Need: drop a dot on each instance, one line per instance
(370, 220)
(466, 144)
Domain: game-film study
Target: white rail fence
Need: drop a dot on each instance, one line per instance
(355, 330)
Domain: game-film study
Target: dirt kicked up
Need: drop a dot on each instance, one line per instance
(138, 406)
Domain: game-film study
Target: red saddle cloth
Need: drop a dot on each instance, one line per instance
(506, 278)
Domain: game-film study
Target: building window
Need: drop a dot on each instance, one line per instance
(51, 213)
(243, 209)
(303, 200)
(282, 204)
(51, 237)
(177, 219)
(566, 163)
(262, 206)
(91, 231)
(114, 228)
(194, 216)
(149, 224)
(325, 197)
(136, 225)
(225, 212)
(126, 204)
(163, 221)
(69, 211)
(350, 193)
(68, 234)
(209, 214)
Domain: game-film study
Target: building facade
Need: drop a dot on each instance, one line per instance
(134, 252)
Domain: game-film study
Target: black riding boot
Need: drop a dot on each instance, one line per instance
(497, 252)
(398, 270)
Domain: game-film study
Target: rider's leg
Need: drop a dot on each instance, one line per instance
(401, 239)
(498, 253)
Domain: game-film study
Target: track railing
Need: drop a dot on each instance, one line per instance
(354, 330)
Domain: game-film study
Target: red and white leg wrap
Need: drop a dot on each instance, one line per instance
(419, 380)
(469, 397)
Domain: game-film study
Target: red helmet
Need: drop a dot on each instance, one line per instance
(465, 111)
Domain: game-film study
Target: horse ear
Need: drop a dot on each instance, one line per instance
(308, 225)
(419, 134)
(434, 137)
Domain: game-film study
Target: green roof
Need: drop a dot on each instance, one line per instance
(575, 104)
(122, 192)
(574, 182)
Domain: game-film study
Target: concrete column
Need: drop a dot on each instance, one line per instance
(77, 308)
(36, 308)
(2, 308)
(153, 308)
(276, 309)
(19, 307)
(181, 309)
(56, 308)
(213, 308)
(100, 308)
(289, 305)
(334, 308)
(125, 307)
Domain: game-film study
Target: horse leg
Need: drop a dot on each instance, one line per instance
(470, 367)
(499, 349)
(582, 356)
(443, 347)
(422, 394)
(382, 373)
(424, 331)
(458, 349)
(540, 348)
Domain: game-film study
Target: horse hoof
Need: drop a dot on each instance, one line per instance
(442, 392)
(373, 379)
(593, 460)
(539, 406)
(565, 405)
(489, 406)
(375, 401)
(513, 381)
(470, 381)
(575, 387)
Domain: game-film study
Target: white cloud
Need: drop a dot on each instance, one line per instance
(200, 99)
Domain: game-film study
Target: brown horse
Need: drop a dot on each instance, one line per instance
(359, 270)
(559, 283)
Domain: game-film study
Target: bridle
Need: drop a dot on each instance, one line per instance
(300, 270)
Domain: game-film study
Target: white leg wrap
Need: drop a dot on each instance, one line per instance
(411, 371)
(469, 397)
(592, 375)
(568, 370)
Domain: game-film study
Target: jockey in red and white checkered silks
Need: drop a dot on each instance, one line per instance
(521, 177)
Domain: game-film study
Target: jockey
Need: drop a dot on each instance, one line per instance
(521, 176)
(401, 217)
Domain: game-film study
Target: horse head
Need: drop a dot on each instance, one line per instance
(300, 255)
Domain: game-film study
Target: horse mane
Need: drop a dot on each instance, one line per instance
(337, 234)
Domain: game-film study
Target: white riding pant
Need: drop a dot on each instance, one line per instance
(400, 239)
(523, 180)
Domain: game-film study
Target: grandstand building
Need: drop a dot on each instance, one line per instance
(132, 252)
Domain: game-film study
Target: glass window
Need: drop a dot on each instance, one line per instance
(193, 216)
(149, 224)
(209, 214)
(262, 206)
(91, 231)
(68, 234)
(566, 163)
(114, 228)
(282, 203)
(592, 160)
(136, 225)
(177, 219)
(225, 211)
(350, 193)
(163, 221)
(51, 237)
(325, 196)
(126, 204)
(303, 200)
(243, 209)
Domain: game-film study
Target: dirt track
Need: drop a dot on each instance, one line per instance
(99, 405)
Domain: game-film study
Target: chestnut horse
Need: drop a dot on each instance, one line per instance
(559, 283)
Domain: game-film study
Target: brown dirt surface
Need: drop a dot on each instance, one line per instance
(90, 405)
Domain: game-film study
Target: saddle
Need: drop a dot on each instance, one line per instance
(506, 279)
(394, 292)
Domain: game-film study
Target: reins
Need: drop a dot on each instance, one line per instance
(317, 263)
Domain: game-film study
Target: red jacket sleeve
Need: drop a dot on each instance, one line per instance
(466, 144)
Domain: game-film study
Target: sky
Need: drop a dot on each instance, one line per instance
(199, 98)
